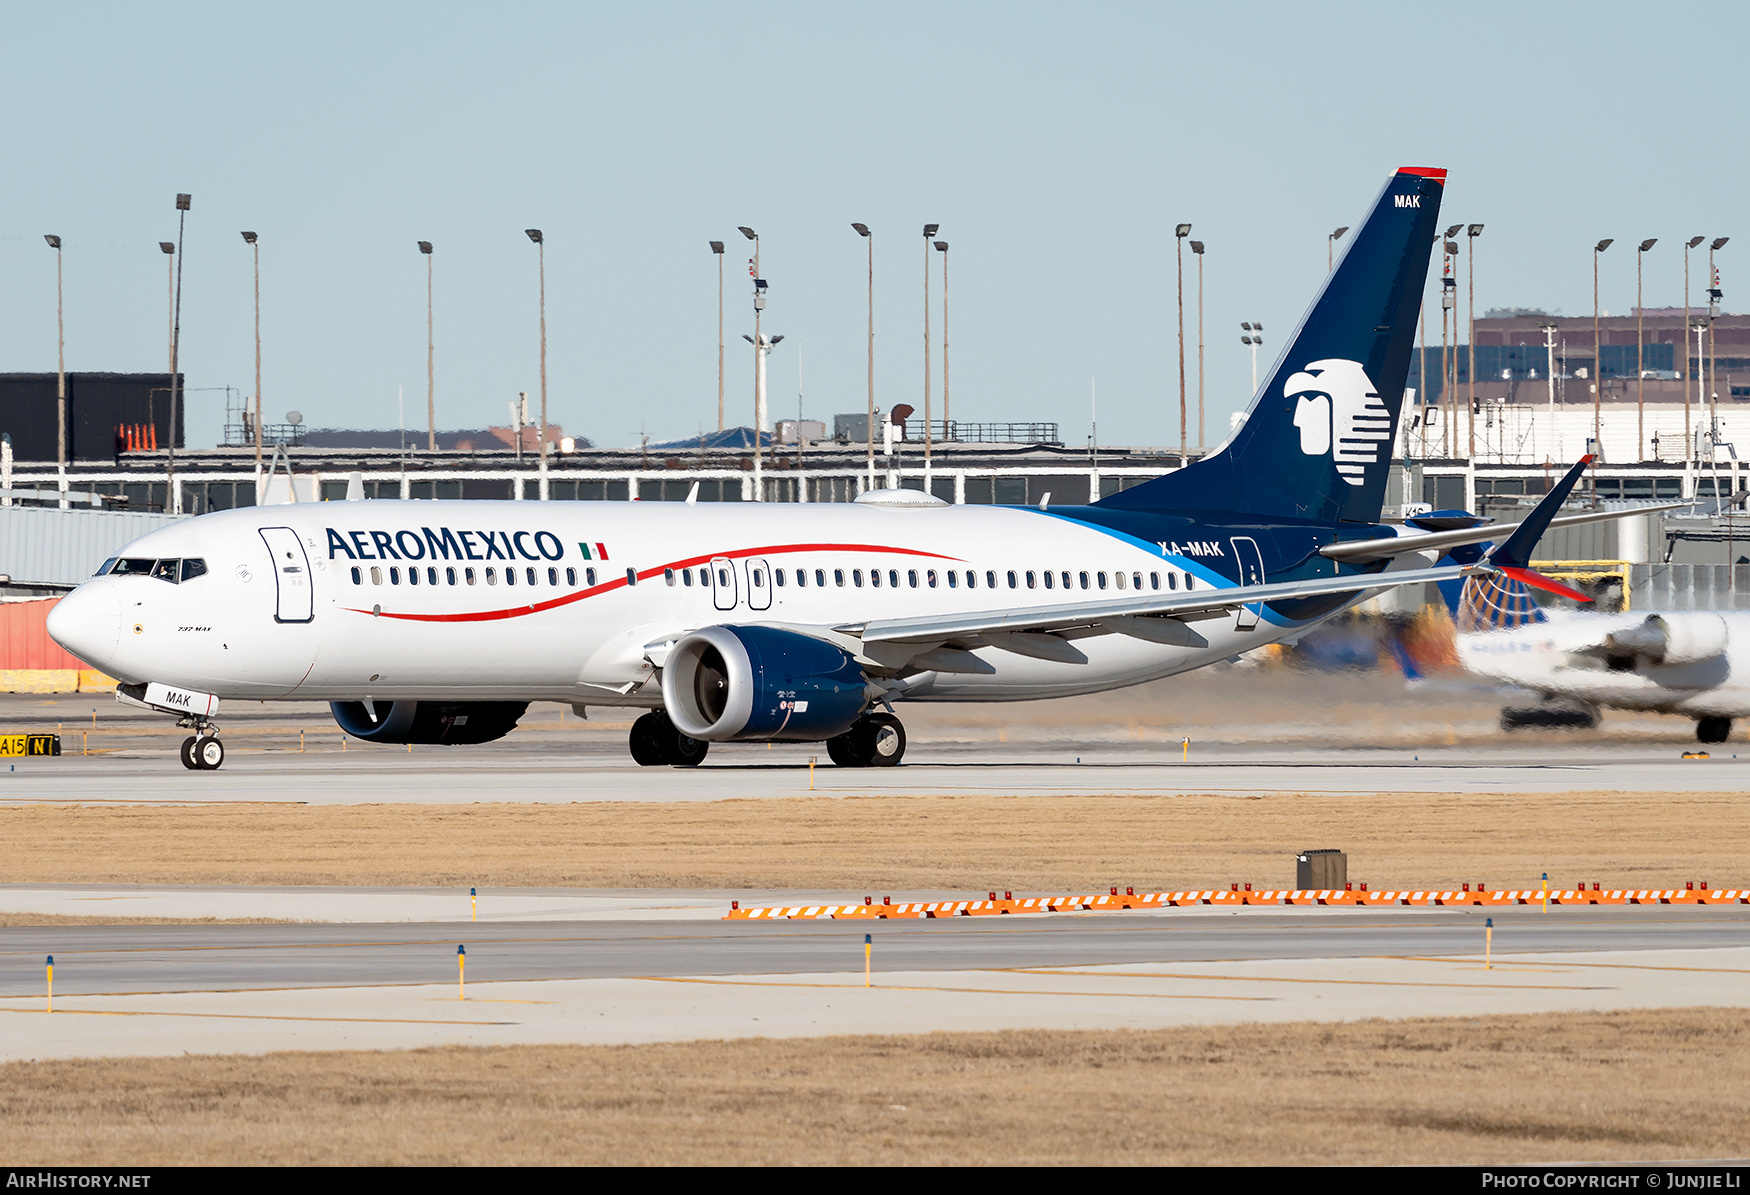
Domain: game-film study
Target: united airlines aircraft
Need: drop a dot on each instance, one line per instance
(439, 621)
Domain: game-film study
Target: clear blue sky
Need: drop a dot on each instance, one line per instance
(1056, 145)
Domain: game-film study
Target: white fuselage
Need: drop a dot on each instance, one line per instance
(1563, 657)
(338, 615)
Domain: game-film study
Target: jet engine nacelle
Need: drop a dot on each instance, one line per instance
(1674, 638)
(447, 722)
(727, 683)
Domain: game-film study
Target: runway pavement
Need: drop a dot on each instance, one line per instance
(171, 989)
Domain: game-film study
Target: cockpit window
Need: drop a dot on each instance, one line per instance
(130, 565)
(193, 568)
(104, 568)
(165, 570)
(173, 571)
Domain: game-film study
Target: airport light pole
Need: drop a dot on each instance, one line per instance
(60, 360)
(942, 248)
(249, 238)
(862, 230)
(1252, 335)
(1180, 232)
(534, 234)
(1597, 370)
(1472, 232)
(169, 249)
(1683, 362)
(929, 233)
(1202, 439)
(1549, 347)
(1449, 359)
(717, 252)
(172, 498)
(1640, 350)
(1331, 246)
(430, 373)
(759, 363)
(1713, 313)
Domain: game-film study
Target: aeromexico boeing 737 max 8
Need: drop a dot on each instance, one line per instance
(438, 621)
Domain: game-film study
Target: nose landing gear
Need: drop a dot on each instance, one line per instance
(202, 752)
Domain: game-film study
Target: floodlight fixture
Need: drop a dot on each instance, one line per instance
(1719, 243)
(1451, 248)
(1182, 230)
(534, 234)
(167, 246)
(749, 233)
(182, 202)
(930, 230)
(53, 240)
(1337, 235)
(249, 238)
(1694, 241)
(1606, 243)
(425, 248)
(942, 246)
(1475, 230)
(862, 229)
(1648, 244)
(1453, 231)
(717, 246)
(1197, 247)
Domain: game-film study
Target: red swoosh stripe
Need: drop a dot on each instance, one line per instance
(620, 582)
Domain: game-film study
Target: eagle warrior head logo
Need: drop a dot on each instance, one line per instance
(1338, 411)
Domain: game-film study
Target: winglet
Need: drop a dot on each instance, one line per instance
(1517, 550)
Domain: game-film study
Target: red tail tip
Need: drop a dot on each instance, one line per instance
(1438, 174)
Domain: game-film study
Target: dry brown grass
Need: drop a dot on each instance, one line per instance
(15, 920)
(1576, 1087)
(892, 843)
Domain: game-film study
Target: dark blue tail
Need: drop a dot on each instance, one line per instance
(1317, 440)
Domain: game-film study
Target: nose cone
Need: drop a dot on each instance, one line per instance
(88, 622)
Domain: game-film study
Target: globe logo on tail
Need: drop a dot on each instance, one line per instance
(1338, 411)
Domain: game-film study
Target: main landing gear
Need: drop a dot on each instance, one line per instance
(1713, 730)
(657, 741)
(873, 741)
(202, 752)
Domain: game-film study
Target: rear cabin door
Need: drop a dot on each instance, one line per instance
(295, 602)
(1251, 566)
(759, 585)
(723, 583)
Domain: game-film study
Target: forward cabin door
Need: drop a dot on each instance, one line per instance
(723, 583)
(291, 575)
(1251, 566)
(759, 585)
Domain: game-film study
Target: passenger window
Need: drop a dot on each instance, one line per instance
(687, 577)
(1011, 578)
(571, 577)
(631, 576)
(376, 575)
(1190, 581)
(1050, 579)
(874, 577)
(358, 576)
(990, 580)
(193, 568)
(930, 576)
(553, 577)
(1066, 579)
(589, 576)
(893, 578)
(413, 576)
(911, 576)
(530, 574)
(801, 577)
(857, 577)
(492, 576)
(1136, 580)
(778, 577)
(1101, 578)
(1029, 578)
(1119, 577)
(838, 576)
(759, 578)
(723, 577)
(431, 576)
(394, 575)
(468, 575)
(165, 570)
(668, 575)
(1154, 580)
(449, 576)
(509, 576)
(1084, 579)
(954, 579)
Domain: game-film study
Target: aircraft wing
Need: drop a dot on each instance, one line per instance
(1385, 549)
(1157, 608)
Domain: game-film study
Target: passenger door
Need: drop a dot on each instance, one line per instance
(295, 602)
(759, 585)
(1251, 566)
(723, 583)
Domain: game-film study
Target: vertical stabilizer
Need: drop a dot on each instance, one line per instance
(1317, 440)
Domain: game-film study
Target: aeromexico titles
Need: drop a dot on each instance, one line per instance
(439, 621)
